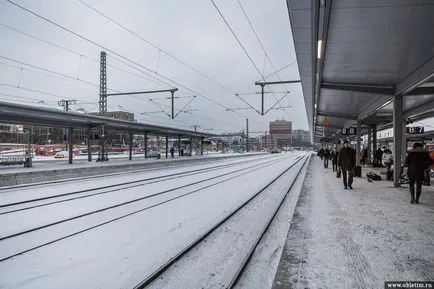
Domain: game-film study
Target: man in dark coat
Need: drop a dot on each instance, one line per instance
(347, 162)
(417, 161)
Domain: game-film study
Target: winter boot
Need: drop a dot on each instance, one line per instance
(417, 197)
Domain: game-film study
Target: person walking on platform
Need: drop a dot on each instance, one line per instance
(364, 157)
(326, 158)
(334, 157)
(378, 158)
(387, 162)
(417, 161)
(347, 162)
(321, 153)
(172, 152)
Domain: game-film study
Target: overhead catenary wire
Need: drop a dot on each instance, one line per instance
(51, 73)
(244, 49)
(160, 50)
(119, 55)
(267, 56)
(264, 50)
(75, 52)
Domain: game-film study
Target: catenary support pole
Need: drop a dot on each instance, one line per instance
(89, 145)
(131, 147)
(398, 104)
(146, 145)
(201, 146)
(167, 147)
(247, 132)
(70, 139)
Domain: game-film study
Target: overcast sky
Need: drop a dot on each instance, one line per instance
(192, 31)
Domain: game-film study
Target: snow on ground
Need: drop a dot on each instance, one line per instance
(42, 216)
(261, 269)
(121, 253)
(356, 238)
(215, 261)
(44, 190)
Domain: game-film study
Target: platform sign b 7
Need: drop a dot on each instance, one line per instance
(415, 129)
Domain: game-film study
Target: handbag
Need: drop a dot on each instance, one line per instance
(338, 174)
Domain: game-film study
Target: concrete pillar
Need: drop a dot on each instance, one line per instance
(89, 145)
(201, 146)
(369, 160)
(167, 147)
(404, 141)
(146, 145)
(374, 138)
(398, 114)
(70, 139)
(179, 145)
(358, 136)
(131, 147)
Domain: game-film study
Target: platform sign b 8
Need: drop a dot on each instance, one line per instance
(349, 131)
(415, 129)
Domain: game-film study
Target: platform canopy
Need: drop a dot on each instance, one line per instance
(355, 56)
(38, 116)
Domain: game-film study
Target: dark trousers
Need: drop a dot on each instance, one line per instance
(348, 182)
(427, 181)
(418, 189)
(388, 171)
(326, 162)
(335, 167)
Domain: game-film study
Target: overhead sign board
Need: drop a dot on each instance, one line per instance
(349, 131)
(415, 130)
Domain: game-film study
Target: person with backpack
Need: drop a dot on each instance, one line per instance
(347, 162)
(417, 161)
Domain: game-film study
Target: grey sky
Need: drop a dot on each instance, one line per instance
(192, 31)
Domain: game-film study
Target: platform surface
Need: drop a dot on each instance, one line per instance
(356, 238)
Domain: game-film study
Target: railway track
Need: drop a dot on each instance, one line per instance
(215, 180)
(157, 275)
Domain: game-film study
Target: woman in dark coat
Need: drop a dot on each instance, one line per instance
(417, 161)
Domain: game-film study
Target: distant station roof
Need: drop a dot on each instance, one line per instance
(37, 116)
(355, 56)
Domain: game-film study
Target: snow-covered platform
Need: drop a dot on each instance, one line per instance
(356, 238)
(51, 169)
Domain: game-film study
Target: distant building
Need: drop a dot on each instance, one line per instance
(300, 137)
(281, 132)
